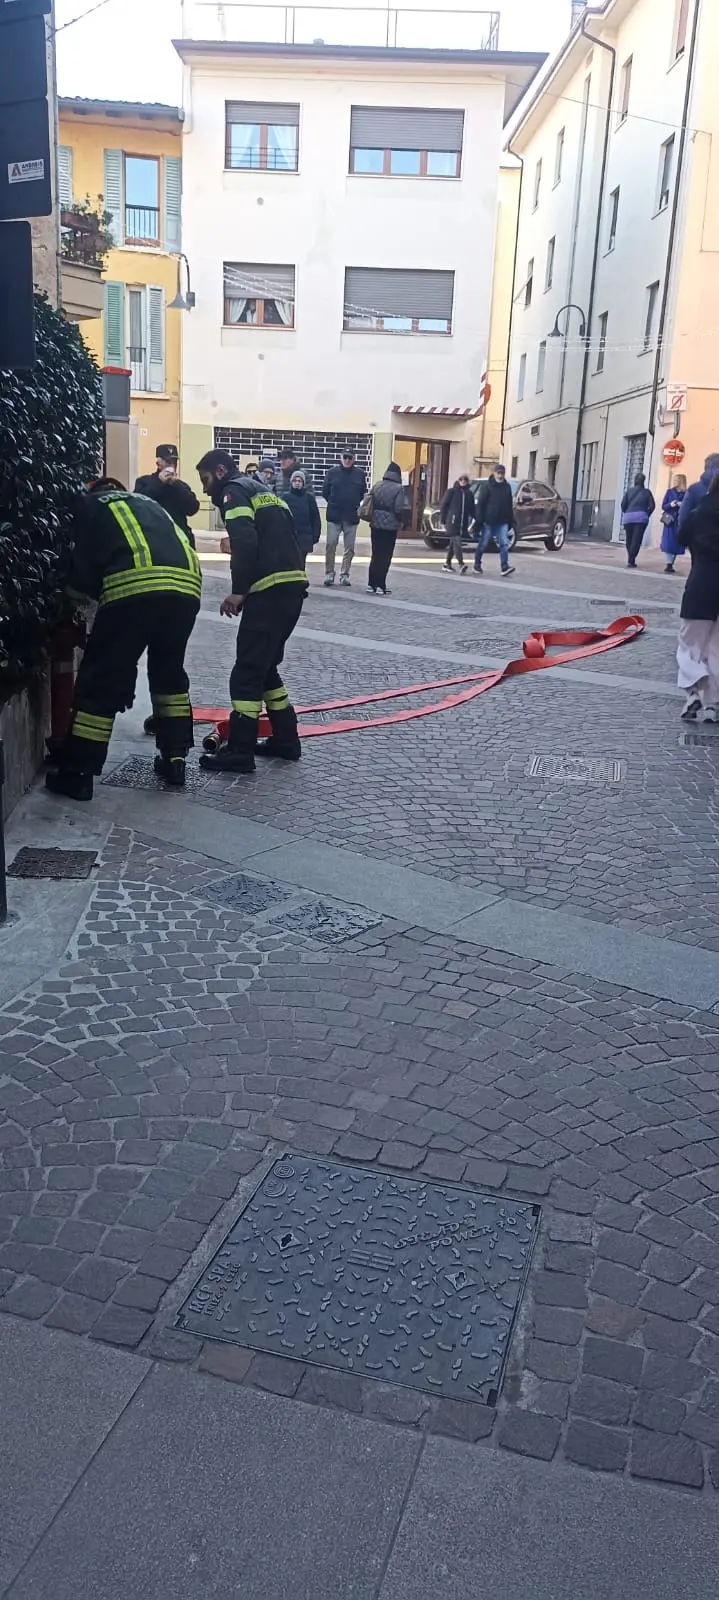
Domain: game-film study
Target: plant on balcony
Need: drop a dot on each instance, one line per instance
(85, 232)
(51, 442)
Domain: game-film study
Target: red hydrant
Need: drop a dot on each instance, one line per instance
(69, 636)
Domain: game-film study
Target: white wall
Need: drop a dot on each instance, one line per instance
(321, 220)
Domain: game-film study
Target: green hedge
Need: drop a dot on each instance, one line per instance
(51, 442)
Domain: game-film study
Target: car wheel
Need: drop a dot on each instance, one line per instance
(512, 540)
(557, 536)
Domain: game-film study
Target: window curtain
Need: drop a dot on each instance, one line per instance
(281, 147)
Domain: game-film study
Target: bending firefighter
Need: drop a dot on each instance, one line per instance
(140, 567)
(268, 590)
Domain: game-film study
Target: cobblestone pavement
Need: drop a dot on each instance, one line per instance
(184, 1041)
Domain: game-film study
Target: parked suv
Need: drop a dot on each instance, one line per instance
(540, 514)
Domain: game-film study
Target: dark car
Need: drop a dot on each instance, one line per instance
(540, 514)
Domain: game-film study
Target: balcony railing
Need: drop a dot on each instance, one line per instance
(82, 239)
(137, 362)
(423, 26)
(142, 224)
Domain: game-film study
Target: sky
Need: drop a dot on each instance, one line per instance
(121, 49)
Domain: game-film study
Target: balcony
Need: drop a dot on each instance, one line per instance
(424, 26)
(137, 362)
(83, 248)
(142, 225)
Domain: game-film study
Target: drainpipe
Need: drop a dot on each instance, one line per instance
(674, 218)
(520, 159)
(595, 266)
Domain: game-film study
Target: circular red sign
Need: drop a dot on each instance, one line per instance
(674, 452)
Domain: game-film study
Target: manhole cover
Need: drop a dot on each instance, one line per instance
(135, 773)
(707, 740)
(30, 863)
(247, 895)
(411, 1283)
(329, 923)
(576, 769)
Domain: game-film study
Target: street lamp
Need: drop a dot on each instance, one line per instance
(183, 301)
(556, 332)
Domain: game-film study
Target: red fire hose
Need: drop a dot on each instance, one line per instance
(68, 637)
(583, 642)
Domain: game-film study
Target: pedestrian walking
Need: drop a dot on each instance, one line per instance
(495, 518)
(343, 489)
(671, 507)
(141, 569)
(698, 648)
(268, 590)
(457, 512)
(697, 491)
(306, 512)
(638, 507)
(385, 513)
(164, 486)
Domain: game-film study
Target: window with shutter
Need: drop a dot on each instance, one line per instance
(261, 136)
(114, 325)
(156, 340)
(64, 177)
(410, 143)
(112, 193)
(392, 300)
(171, 202)
(258, 296)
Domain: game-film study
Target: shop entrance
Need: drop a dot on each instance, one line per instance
(425, 472)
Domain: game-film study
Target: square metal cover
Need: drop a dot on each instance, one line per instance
(50, 863)
(412, 1283)
(136, 773)
(250, 896)
(576, 769)
(326, 920)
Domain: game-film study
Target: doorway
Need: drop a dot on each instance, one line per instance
(424, 465)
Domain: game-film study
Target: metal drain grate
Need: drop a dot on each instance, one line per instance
(576, 769)
(249, 896)
(38, 863)
(708, 741)
(325, 921)
(135, 773)
(411, 1283)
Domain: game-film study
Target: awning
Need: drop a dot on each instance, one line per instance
(466, 413)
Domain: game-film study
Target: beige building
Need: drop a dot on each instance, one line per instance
(614, 344)
(485, 444)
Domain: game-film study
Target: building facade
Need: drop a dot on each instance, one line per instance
(126, 159)
(614, 307)
(339, 214)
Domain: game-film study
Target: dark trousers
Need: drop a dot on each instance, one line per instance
(161, 624)
(267, 620)
(383, 543)
(634, 533)
(454, 548)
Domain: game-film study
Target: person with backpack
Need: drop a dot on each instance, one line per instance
(384, 508)
(638, 506)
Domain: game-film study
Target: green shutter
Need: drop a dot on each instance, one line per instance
(112, 193)
(114, 325)
(156, 339)
(171, 202)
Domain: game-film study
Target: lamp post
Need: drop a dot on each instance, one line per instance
(184, 300)
(556, 333)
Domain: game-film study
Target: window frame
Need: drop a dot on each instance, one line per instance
(681, 30)
(537, 192)
(559, 156)
(138, 239)
(541, 367)
(522, 378)
(652, 301)
(529, 284)
(285, 327)
(667, 152)
(514, 467)
(552, 469)
(262, 165)
(613, 218)
(590, 456)
(435, 177)
(603, 325)
(625, 90)
(532, 467)
(549, 267)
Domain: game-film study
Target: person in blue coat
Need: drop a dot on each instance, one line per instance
(671, 507)
(697, 491)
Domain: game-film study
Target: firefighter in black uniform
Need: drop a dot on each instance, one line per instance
(268, 589)
(140, 567)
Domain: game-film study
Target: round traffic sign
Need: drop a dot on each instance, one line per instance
(674, 452)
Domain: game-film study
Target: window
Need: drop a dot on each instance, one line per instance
(529, 285)
(552, 466)
(514, 468)
(257, 296)
(537, 185)
(680, 38)
(559, 157)
(522, 379)
(549, 274)
(260, 136)
(393, 142)
(666, 167)
(602, 343)
(394, 300)
(613, 218)
(532, 473)
(134, 334)
(652, 298)
(588, 465)
(541, 365)
(142, 200)
(625, 88)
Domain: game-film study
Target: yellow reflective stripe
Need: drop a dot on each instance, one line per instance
(122, 585)
(191, 554)
(278, 577)
(130, 526)
(268, 499)
(276, 699)
(239, 511)
(247, 708)
(96, 735)
(93, 720)
(166, 705)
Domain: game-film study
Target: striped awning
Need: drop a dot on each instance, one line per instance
(466, 413)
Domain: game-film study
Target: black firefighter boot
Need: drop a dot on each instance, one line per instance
(73, 785)
(171, 769)
(283, 743)
(238, 755)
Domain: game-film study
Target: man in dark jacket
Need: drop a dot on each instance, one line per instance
(288, 465)
(306, 513)
(386, 516)
(268, 590)
(458, 511)
(638, 507)
(343, 489)
(697, 491)
(698, 647)
(164, 486)
(495, 518)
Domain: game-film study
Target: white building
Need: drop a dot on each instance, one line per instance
(339, 211)
(618, 216)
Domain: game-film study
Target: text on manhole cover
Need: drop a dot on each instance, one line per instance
(411, 1283)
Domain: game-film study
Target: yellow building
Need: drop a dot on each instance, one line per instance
(131, 155)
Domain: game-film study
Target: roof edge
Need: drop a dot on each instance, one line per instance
(148, 110)
(596, 14)
(486, 58)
